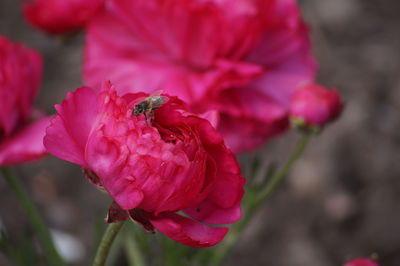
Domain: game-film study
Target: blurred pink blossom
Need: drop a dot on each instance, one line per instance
(362, 262)
(20, 74)
(60, 16)
(314, 105)
(179, 162)
(242, 59)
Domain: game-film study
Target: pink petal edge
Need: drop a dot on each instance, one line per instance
(26, 145)
(67, 135)
(209, 212)
(187, 231)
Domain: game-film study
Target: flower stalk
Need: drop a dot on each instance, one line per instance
(277, 179)
(133, 251)
(42, 232)
(106, 243)
(253, 203)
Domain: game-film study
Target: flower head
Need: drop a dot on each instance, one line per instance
(60, 16)
(242, 59)
(177, 163)
(362, 262)
(20, 74)
(315, 106)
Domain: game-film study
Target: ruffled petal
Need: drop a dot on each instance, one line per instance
(187, 231)
(26, 145)
(68, 133)
(105, 159)
(227, 188)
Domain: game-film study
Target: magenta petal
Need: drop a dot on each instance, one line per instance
(187, 231)
(212, 116)
(126, 197)
(105, 160)
(67, 135)
(209, 212)
(26, 145)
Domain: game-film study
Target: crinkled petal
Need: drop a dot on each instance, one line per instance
(105, 160)
(68, 133)
(187, 231)
(25, 145)
(228, 184)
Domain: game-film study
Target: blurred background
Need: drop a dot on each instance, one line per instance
(340, 201)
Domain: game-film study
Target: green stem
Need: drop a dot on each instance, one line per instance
(106, 242)
(38, 226)
(277, 179)
(254, 202)
(133, 252)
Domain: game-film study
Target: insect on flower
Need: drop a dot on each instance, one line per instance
(149, 104)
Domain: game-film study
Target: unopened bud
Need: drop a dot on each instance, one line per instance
(313, 106)
(362, 262)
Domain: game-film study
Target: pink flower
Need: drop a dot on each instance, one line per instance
(242, 58)
(361, 262)
(60, 16)
(20, 72)
(314, 106)
(178, 163)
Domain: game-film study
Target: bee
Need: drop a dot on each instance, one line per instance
(149, 104)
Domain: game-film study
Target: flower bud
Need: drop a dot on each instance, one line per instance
(362, 262)
(60, 16)
(21, 128)
(313, 106)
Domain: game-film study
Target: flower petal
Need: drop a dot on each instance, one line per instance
(26, 145)
(187, 231)
(124, 45)
(249, 117)
(67, 135)
(228, 184)
(105, 159)
(209, 212)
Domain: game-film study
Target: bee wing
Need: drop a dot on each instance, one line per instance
(156, 93)
(164, 99)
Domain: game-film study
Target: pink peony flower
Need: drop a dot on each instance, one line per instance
(20, 72)
(243, 59)
(60, 16)
(178, 163)
(314, 106)
(361, 262)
